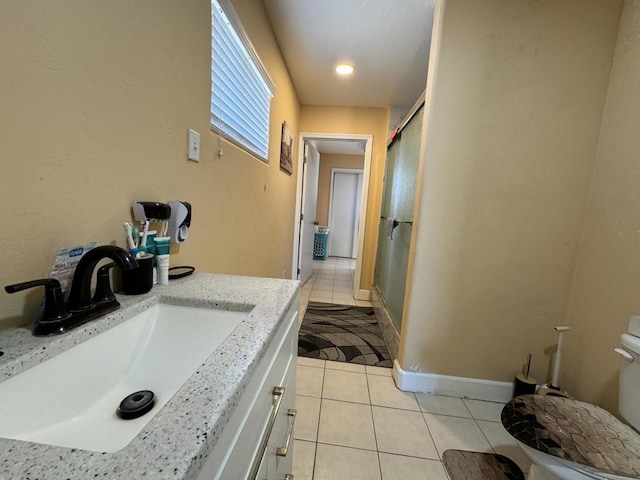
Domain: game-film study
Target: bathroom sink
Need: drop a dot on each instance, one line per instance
(71, 399)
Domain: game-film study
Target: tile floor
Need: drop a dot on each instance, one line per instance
(331, 282)
(353, 423)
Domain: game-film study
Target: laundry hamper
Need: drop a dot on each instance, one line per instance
(321, 243)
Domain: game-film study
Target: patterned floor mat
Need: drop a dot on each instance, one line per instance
(342, 333)
(462, 465)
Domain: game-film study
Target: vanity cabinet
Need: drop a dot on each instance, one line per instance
(257, 443)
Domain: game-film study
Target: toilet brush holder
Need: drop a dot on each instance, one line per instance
(524, 385)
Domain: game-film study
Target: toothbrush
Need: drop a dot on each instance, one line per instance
(145, 231)
(129, 230)
(165, 228)
(134, 236)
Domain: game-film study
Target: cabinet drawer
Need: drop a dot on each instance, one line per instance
(280, 447)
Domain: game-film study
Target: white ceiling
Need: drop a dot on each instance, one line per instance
(387, 40)
(339, 146)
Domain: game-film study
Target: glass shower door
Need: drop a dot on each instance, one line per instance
(397, 203)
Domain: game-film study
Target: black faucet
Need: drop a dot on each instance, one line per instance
(80, 293)
(54, 316)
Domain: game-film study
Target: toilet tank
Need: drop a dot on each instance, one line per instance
(629, 383)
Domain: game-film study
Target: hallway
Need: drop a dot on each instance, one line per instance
(331, 282)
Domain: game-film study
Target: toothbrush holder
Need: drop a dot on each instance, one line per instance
(139, 280)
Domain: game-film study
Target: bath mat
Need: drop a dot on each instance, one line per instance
(463, 465)
(342, 333)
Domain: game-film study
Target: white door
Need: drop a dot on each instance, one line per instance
(308, 217)
(346, 191)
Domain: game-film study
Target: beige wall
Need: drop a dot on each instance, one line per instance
(607, 281)
(515, 109)
(362, 121)
(96, 101)
(328, 162)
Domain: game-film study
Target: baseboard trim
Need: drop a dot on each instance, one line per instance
(362, 295)
(475, 388)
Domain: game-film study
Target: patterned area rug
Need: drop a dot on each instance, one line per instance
(342, 333)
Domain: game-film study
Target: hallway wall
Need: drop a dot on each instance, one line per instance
(515, 107)
(327, 162)
(97, 98)
(366, 121)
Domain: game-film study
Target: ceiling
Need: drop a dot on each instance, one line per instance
(387, 40)
(339, 146)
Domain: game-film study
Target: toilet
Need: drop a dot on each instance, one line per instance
(572, 440)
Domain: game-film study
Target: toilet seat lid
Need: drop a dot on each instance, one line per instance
(575, 431)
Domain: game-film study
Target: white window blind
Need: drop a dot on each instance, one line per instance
(241, 90)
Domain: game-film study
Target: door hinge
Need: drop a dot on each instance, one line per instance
(301, 217)
(298, 271)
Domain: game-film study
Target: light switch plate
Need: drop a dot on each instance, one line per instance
(194, 146)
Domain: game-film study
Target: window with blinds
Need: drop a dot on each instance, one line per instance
(241, 89)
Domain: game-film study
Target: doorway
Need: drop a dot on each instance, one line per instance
(344, 215)
(321, 141)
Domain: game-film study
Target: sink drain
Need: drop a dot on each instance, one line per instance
(136, 404)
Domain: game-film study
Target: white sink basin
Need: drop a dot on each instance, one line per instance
(71, 399)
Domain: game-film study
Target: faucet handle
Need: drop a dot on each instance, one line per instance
(50, 318)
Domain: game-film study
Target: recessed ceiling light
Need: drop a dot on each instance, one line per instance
(344, 69)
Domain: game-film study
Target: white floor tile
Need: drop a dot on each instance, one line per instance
(307, 419)
(321, 292)
(442, 405)
(398, 467)
(310, 362)
(385, 372)
(346, 424)
(343, 297)
(345, 386)
(324, 277)
(309, 381)
(403, 432)
(344, 301)
(343, 289)
(348, 367)
(320, 298)
(383, 392)
(304, 298)
(334, 463)
(503, 443)
(481, 410)
(456, 433)
(304, 454)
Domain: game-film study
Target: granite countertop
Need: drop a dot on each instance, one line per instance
(175, 443)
